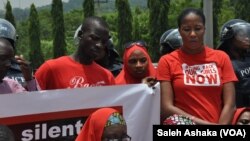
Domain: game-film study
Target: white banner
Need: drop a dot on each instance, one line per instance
(59, 114)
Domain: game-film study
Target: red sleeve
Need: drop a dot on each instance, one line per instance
(163, 69)
(228, 74)
(42, 75)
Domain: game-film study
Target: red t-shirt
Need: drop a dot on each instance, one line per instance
(197, 80)
(64, 72)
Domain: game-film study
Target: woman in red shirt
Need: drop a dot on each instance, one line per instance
(196, 81)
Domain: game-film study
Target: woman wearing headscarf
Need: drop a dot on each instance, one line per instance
(103, 125)
(242, 116)
(137, 65)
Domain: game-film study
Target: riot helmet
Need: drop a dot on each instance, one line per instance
(170, 40)
(235, 28)
(8, 31)
(76, 37)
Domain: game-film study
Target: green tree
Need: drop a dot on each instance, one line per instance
(59, 44)
(217, 4)
(35, 54)
(176, 6)
(8, 15)
(158, 23)
(72, 20)
(88, 8)
(241, 8)
(124, 20)
(23, 39)
(136, 25)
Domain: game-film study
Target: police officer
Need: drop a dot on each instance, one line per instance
(20, 69)
(235, 41)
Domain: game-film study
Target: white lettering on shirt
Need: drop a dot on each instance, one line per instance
(79, 81)
(201, 75)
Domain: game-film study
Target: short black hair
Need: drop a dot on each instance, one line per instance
(92, 20)
(187, 11)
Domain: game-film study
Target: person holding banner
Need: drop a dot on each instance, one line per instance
(8, 85)
(137, 67)
(20, 69)
(79, 69)
(197, 81)
(103, 125)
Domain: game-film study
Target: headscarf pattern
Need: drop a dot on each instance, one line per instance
(178, 120)
(115, 118)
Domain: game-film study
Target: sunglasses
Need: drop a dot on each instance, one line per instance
(139, 43)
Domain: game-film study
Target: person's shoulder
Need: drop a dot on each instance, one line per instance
(215, 51)
(54, 64)
(173, 54)
(219, 55)
(101, 69)
(63, 60)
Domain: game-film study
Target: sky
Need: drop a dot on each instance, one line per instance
(25, 3)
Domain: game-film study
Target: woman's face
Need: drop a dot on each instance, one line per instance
(115, 131)
(138, 64)
(244, 118)
(192, 31)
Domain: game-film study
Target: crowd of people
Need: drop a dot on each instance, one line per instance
(200, 85)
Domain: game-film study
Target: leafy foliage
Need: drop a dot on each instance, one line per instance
(124, 20)
(73, 16)
(8, 15)
(59, 44)
(241, 9)
(89, 8)
(35, 54)
(158, 22)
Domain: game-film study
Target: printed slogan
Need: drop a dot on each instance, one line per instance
(201, 75)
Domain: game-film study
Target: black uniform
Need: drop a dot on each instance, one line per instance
(15, 73)
(242, 70)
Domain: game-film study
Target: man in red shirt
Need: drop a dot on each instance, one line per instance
(79, 69)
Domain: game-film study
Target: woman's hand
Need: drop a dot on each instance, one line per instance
(150, 81)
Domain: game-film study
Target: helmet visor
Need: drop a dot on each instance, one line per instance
(174, 39)
(242, 32)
